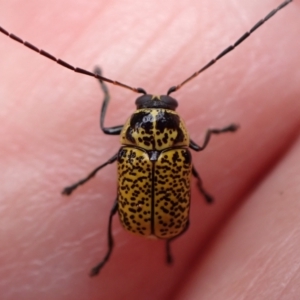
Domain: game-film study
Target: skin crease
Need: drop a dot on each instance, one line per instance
(245, 245)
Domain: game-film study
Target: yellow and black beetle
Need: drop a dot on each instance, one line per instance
(154, 161)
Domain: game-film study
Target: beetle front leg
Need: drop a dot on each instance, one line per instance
(69, 189)
(115, 130)
(95, 271)
(230, 128)
(207, 196)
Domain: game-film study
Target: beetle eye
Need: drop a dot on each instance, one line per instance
(169, 101)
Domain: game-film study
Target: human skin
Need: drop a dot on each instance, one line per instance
(245, 245)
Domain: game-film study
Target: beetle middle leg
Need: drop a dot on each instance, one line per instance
(69, 189)
(95, 271)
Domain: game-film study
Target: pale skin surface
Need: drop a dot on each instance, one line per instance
(245, 246)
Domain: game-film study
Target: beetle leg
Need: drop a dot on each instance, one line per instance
(230, 128)
(115, 130)
(169, 257)
(208, 198)
(95, 271)
(69, 189)
(169, 254)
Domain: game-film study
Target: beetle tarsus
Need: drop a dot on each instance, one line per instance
(232, 127)
(68, 190)
(95, 271)
(208, 198)
(169, 257)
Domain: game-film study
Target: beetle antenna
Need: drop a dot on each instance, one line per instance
(68, 66)
(230, 48)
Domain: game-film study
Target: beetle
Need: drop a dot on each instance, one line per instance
(154, 161)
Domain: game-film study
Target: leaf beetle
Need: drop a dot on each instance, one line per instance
(154, 161)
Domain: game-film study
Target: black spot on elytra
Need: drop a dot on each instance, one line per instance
(175, 157)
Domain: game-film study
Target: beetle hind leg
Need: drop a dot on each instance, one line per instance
(95, 271)
(169, 256)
